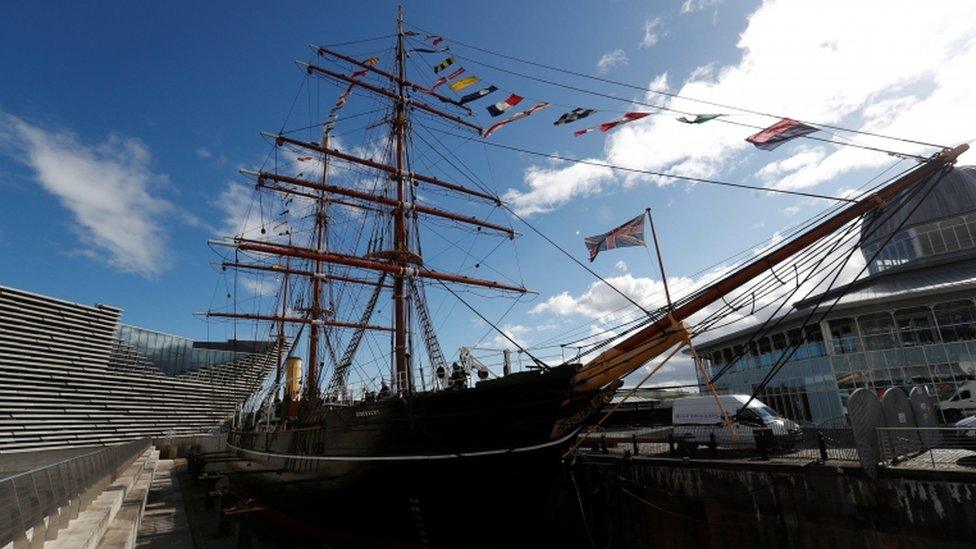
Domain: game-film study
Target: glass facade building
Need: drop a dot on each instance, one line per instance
(911, 322)
(175, 355)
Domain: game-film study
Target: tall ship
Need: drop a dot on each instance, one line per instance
(423, 451)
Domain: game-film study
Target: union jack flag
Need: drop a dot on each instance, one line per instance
(630, 233)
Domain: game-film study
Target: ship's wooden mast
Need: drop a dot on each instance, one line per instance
(400, 261)
(401, 242)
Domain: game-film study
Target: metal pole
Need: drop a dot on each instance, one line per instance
(660, 262)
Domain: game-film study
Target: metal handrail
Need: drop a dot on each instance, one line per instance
(27, 497)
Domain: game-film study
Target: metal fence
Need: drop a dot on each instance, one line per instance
(815, 443)
(827, 444)
(26, 498)
(942, 448)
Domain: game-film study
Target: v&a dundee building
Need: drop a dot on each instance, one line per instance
(74, 375)
(911, 320)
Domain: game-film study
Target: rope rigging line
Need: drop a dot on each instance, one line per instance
(645, 89)
(766, 328)
(810, 252)
(522, 349)
(744, 253)
(847, 287)
(903, 200)
(662, 305)
(644, 172)
(794, 345)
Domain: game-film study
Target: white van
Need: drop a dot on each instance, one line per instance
(962, 402)
(695, 419)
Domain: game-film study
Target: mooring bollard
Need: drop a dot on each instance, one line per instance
(762, 443)
(822, 444)
(223, 521)
(633, 438)
(208, 502)
(245, 531)
(603, 444)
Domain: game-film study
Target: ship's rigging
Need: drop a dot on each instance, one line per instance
(334, 283)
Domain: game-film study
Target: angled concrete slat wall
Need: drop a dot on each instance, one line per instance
(66, 380)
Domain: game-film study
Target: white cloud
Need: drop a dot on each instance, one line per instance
(204, 153)
(703, 72)
(601, 301)
(260, 287)
(550, 187)
(612, 60)
(691, 6)
(652, 32)
(791, 210)
(658, 85)
(908, 73)
(801, 161)
(621, 266)
(241, 214)
(110, 189)
(515, 331)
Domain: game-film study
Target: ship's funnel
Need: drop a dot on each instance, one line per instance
(293, 378)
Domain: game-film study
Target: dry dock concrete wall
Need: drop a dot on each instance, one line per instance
(653, 502)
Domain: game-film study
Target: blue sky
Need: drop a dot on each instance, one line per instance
(167, 101)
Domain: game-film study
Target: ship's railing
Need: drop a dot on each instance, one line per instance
(28, 497)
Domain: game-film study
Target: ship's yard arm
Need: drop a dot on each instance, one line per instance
(392, 78)
(353, 193)
(280, 250)
(637, 349)
(335, 153)
(310, 69)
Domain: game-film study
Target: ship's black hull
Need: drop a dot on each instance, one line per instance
(453, 468)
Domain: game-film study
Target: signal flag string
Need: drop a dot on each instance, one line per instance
(675, 95)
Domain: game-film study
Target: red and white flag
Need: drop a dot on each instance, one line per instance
(779, 133)
(629, 117)
(518, 116)
(607, 126)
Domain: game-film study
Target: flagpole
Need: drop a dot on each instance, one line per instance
(660, 262)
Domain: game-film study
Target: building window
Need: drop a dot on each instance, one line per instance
(815, 341)
(915, 326)
(923, 240)
(765, 352)
(779, 342)
(956, 320)
(726, 355)
(843, 335)
(877, 331)
(741, 362)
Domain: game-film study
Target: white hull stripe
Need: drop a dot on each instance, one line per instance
(414, 457)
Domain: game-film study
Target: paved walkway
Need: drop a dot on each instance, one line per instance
(164, 524)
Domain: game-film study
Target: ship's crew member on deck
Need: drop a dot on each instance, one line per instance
(459, 377)
(384, 390)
